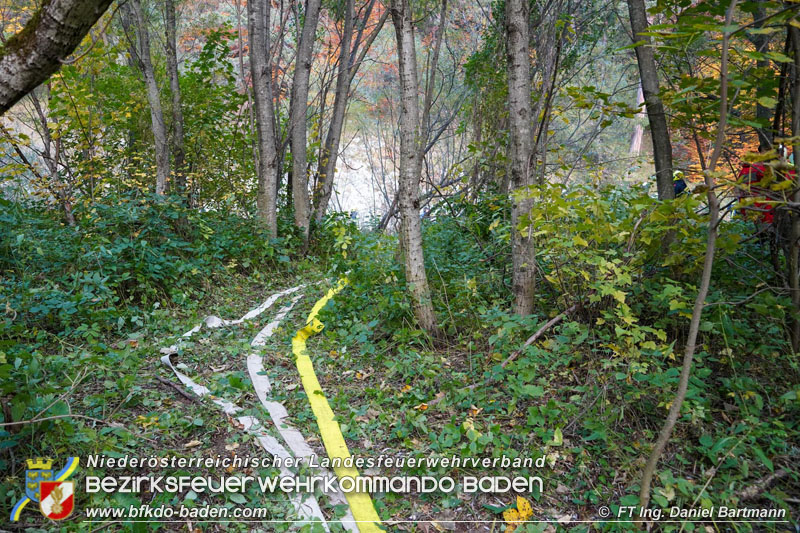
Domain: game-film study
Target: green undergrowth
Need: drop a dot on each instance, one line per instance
(593, 391)
(84, 313)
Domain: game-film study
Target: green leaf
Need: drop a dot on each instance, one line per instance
(534, 391)
(558, 438)
(238, 498)
(764, 459)
(768, 102)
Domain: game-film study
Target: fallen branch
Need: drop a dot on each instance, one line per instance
(754, 491)
(533, 338)
(179, 390)
(56, 417)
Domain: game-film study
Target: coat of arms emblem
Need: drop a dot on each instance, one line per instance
(56, 495)
(57, 499)
(39, 470)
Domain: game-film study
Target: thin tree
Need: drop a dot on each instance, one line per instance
(34, 53)
(327, 161)
(145, 63)
(178, 152)
(298, 117)
(705, 277)
(659, 131)
(411, 154)
(519, 106)
(349, 62)
(258, 15)
(793, 246)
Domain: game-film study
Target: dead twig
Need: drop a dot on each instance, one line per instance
(754, 491)
(533, 338)
(180, 391)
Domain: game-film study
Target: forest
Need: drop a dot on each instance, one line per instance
(399, 265)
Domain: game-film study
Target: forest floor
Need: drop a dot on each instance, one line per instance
(407, 399)
(362, 395)
(172, 418)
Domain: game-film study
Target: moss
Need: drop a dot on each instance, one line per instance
(23, 38)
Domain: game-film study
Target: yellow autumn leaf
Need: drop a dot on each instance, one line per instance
(521, 514)
(524, 508)
(579, 241)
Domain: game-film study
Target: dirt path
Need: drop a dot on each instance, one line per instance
(288, 442)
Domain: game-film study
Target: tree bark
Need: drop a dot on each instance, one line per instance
(329, 155)
(153, 97)
(659, 131)
(36, 52)
(178, 152)
(258, 13)
(410, 166)
(523, 252)
(298, 118)
(638, 129)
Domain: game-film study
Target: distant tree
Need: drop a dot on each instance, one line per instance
(178, 151)
(36, 52)
(659, 131)
(141, 51)
(351, 56)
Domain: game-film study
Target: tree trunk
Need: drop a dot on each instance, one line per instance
(410, 166)
(329, 155)
(36, 52)
(298, 118)
(792, 247)
(51, 155)
(659, 131)
(178, 153)
(638, 129)
(153, 98)
(519, 106)
(258, 13)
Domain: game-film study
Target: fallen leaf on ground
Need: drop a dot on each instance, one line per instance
(515, 517)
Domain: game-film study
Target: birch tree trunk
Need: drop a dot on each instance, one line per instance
(662, 145)
(298, 118)
(410, 167)
(519, 107)
(638, 129)
(153, 98)
(327, 161)
(258, 13)
(35, 52)
(178, 152)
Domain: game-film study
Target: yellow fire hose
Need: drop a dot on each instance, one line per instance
(360, 502)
